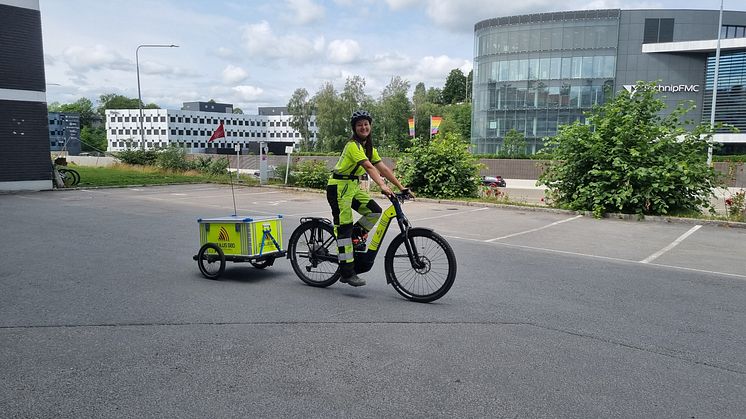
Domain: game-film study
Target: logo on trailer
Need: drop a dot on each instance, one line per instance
(223, 235)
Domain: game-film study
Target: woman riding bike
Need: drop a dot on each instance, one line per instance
(344, 194)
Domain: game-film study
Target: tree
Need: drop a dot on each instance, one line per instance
(420, 94)
(454, 90)
(237, 111)
(115, 101)
(393, 112)
(514, 144)
(469, 85)
(93, 139)
(435, 95)
(456, 121)
(353, 95)
(331, 119)
(300, 107)
(83, 107)
(629, 159)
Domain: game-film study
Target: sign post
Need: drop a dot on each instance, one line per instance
(263, 163)
(237, 147)
(288, 150)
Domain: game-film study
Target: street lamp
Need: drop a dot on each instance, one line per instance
(139, 95)
(715, 83)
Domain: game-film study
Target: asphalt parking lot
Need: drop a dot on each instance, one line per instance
(103, 313)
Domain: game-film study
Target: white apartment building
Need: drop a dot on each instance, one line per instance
(192, 129)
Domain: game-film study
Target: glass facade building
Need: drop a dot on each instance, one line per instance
(533, 73)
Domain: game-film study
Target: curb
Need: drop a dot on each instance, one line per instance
(619, 216)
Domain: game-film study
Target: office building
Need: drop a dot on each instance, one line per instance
(64, 132)
(191, 129)
(536, 72)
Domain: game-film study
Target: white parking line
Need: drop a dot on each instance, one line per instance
(449, 215)
(533, 229)
(565, 252)
(675, 243)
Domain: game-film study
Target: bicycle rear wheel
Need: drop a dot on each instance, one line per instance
(312, 250)
(433, 278)
(69, 177)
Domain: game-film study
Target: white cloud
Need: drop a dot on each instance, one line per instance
(343, 51)
(261, 42)
(248, 93)
(401, 4)
(440, 66)
(97, 57)
(391, 62)
(304, 12)
(233, 74)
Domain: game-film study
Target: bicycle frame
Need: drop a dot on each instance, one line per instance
(364, 260)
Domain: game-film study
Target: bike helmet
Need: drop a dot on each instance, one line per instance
(358, 115)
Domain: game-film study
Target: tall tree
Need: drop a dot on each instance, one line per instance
(82, 106)
(420, 95)
(469, 86)
(115, 101)
(353, 95)
(454, 90)
(435, 95)
(300, 107)
(514, 144)
(457, 121)
(393, 112)
(331, 119)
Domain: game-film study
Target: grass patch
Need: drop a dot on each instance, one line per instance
(126, 175)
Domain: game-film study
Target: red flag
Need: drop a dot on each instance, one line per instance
(219, 133)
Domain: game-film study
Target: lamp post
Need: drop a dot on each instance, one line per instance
(715, 83)
(139, 95)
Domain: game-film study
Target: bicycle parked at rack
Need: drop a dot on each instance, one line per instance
(419, 263)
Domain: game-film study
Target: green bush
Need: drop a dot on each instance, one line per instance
(311, 174)
(137, 157)
(441, 168)
(173, 158)
(629, 159)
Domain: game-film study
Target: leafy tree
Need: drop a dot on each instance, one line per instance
(420, 95)
(353, 95)
(457, 120)
(93, 139)
(454, 90)
(391, 117)
(114, 101)
(422, 119)
(82, 106)
(237, 111)
(442, 168)
(630, 159)
(514, 144)
(435, 95)
(331, 119)
(300, 107)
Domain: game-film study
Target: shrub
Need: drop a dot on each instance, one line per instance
(441, 168)
(137, 157)
(629, 159)
(311, 174)
(173, 158)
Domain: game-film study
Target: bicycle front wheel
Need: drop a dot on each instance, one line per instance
(436, 271)
(312, 251)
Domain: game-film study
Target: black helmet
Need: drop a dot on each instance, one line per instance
(358, 115)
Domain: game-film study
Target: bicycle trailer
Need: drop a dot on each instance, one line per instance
(254, 239)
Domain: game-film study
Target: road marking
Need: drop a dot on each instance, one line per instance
(534, 229)
(565, 252)
(449, 215)
(675, 243)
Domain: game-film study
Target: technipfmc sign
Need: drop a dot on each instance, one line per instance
(674, 88)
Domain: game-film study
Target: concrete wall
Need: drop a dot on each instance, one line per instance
(507, 168)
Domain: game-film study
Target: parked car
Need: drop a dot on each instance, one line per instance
(495, 181)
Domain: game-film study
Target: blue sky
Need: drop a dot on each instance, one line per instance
(256, 53)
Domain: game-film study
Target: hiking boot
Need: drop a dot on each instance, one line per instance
(354, 280)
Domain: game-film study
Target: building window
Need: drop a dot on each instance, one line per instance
(732, 31)
(658, 30)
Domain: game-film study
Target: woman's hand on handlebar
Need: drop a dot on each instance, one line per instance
(386, 191)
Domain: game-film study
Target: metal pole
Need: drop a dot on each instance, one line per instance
(139, 94)
(715, 83)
